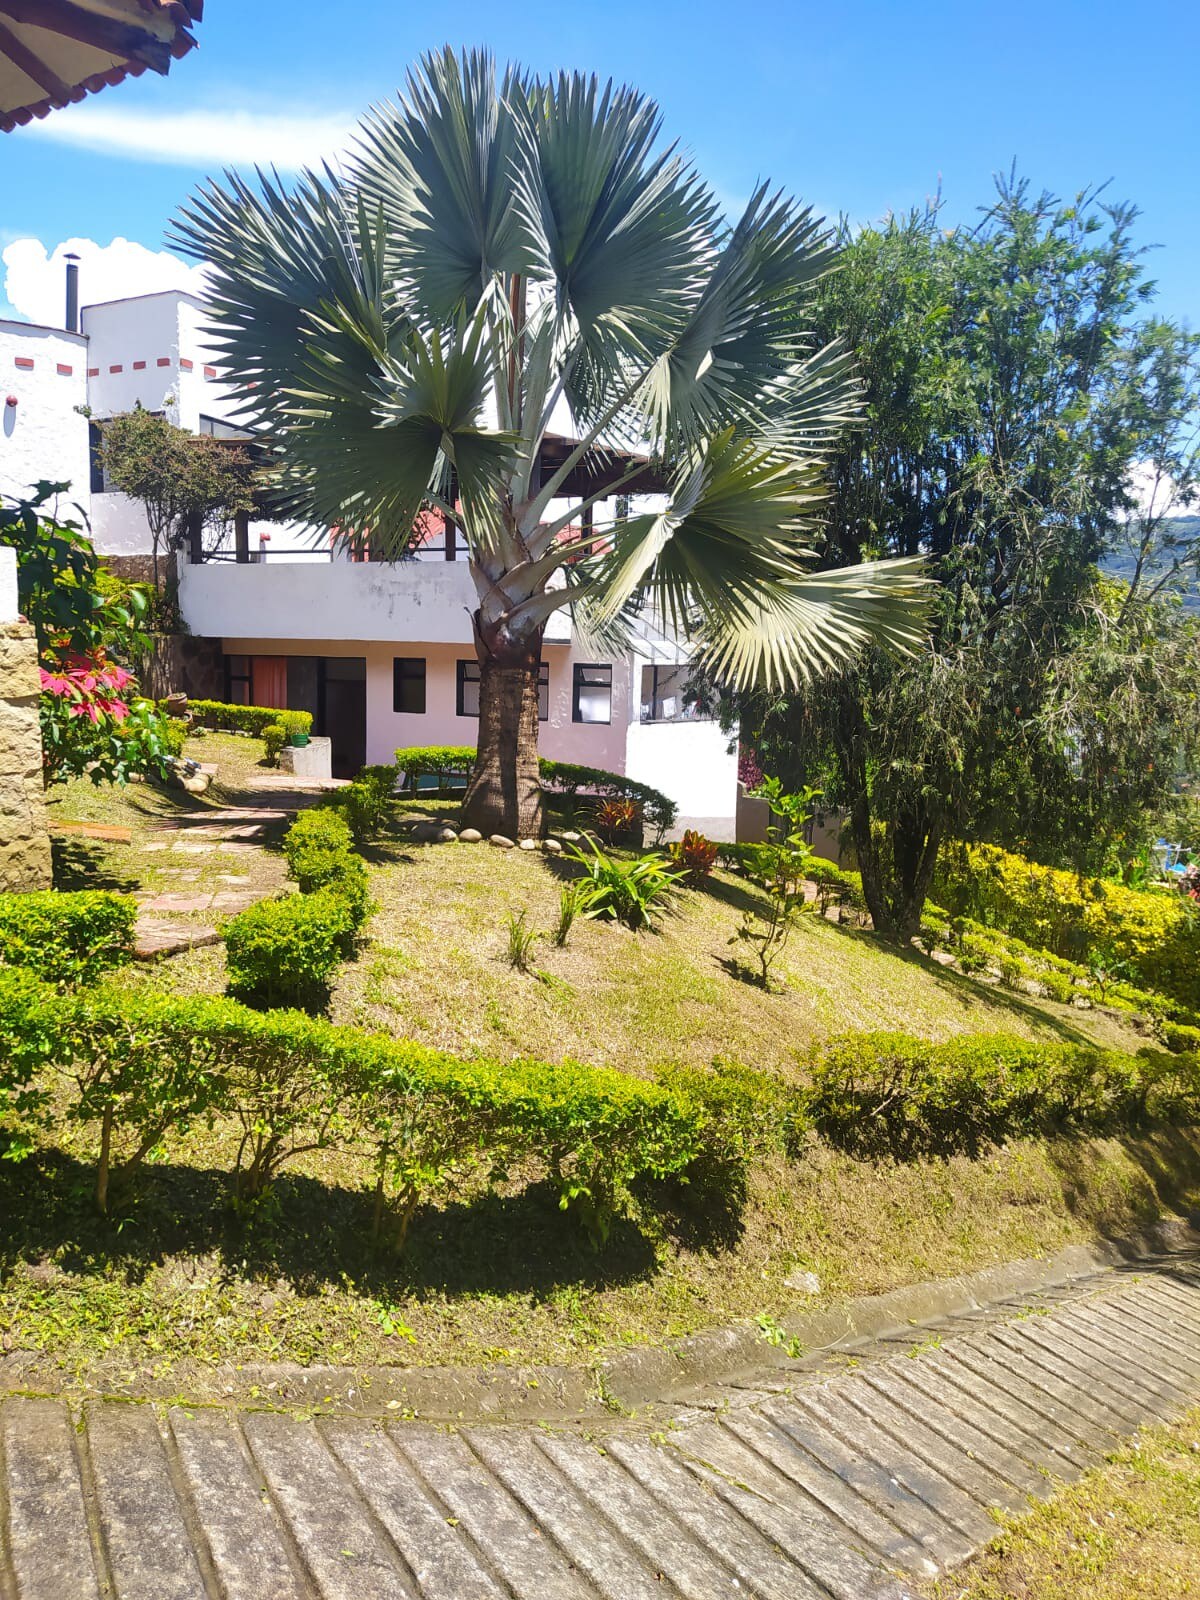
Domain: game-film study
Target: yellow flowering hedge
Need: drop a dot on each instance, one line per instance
(1154, 931)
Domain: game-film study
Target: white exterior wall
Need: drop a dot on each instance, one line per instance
(153, 351)
(44, 435)
(428, 601)
(692, 763)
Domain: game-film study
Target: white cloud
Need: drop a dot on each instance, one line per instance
(1158, 496)
(205, 139)
(34, 281)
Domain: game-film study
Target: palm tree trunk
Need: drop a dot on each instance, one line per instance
(505, 793)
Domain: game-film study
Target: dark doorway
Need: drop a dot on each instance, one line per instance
(342, 711)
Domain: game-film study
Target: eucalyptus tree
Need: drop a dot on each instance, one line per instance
(496, 252)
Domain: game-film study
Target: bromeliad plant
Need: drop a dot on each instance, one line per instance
(499, 254)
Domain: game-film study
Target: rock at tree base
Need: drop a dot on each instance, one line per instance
(470, 836)
(501, 842)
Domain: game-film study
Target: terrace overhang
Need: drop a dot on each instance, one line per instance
(56, 52)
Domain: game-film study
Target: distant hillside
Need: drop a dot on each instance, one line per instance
(1184, 529)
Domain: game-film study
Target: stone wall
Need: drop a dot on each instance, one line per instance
(24, 842)
(184, 663)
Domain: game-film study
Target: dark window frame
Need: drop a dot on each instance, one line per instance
(232, 677)
(402, 676)
(465, 665)
(578, 682)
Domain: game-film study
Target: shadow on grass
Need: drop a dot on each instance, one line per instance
(1167, 1180)
(967, 991)
(87, 864)
(316, 1237)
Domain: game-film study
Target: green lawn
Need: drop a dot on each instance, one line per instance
(500, 1275)
(1130, 1530)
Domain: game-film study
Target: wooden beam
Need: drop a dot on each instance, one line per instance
(123, 39)
(23, 58)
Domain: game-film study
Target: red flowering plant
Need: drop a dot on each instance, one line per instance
(749, 771)
(92, 723)
(89, 686)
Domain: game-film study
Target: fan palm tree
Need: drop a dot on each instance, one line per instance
(496, 250)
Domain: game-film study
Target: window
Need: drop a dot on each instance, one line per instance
(467, 698)
(467, 690)
(665, 696)
(218, 428)
(237, 680)
(96, 458)
(591, 699)
(408, 684)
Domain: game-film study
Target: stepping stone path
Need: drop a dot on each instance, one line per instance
(817, 1483)
(234, 831)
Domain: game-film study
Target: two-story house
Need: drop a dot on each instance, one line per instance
(380, 653)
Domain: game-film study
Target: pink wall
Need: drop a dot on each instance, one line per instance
(594, 744)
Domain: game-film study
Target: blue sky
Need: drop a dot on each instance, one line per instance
(862, 107)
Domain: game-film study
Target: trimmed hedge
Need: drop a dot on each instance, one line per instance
(67, 937)
(567, 778)
(1154, 933)
(140, 1063)
(891, 1095)
(320, 855)
(367, 802)
(218, 715)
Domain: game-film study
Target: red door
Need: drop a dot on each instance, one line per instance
(268, 681)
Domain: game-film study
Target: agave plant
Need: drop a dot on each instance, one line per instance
(495, 252)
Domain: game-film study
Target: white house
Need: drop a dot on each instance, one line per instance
(380, 653)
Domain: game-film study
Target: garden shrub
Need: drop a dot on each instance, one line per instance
(367, 802)
(319, 856)
(835, 884)
(1154, 933)
(748, 1113)
(1018, 964)
(29, 1024)
(319, 831)
(619, 821)
(283, 952)
(135, 1084)
(450, 765)
(632, 892)
(1180, 1038)
(66, 937)
(888, 1094)
(274, 737)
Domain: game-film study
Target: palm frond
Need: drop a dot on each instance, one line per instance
(725, 562)
(791, 632)
(440, 165)
(622, 226)
(745, 355)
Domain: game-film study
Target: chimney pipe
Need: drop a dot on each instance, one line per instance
(72, 293)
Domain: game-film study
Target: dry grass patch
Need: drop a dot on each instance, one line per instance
(1129, 1530)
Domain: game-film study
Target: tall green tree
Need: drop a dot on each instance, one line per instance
(496, 249)
(181, 478)
(1008, 406)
